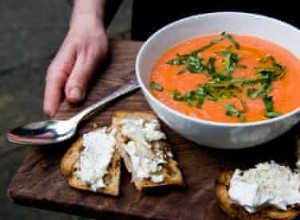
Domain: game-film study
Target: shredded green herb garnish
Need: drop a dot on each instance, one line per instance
(230, 60)
(156, 86)
(221, 84)
(220, 38)
(191, 97)
(231, 110)
(268, 101)
(194, 64)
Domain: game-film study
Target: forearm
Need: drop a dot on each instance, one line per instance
(88, 10)
(101, 10)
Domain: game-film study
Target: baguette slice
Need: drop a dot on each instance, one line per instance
(70, 164)
(238, 212)
(171, 172)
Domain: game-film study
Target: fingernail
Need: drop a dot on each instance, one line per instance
(76, 94)
(49, 113)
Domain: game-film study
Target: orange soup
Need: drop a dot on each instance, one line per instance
(228, 78)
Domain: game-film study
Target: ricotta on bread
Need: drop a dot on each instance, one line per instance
(267, 191)
(146, 154)
(93, 162)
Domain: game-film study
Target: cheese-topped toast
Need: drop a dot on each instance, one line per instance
(146, 153)
(237, 211)
(93, 162)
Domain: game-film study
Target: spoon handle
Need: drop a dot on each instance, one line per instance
(128, 87)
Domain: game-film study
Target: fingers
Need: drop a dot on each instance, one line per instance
(82, 73)
(72, 69)
(56, 78)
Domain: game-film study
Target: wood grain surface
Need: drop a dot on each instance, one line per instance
(39, 182)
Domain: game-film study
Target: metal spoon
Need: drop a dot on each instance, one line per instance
(54, 131)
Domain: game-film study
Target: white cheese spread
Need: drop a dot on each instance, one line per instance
(147, 160)
(268, 184)
(99, 147)
(140, 130)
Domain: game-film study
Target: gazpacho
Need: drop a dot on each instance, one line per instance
(227, 78)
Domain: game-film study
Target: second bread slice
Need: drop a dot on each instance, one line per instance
(145, 151)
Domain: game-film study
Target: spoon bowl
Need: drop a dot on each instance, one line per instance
(55, 131)
(43, 132)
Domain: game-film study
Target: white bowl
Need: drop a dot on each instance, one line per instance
(208, 133)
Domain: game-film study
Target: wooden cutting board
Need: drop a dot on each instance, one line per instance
(39, 182)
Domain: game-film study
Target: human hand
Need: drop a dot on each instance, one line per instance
(70, 72)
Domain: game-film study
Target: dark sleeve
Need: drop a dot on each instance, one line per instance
(149, 16)
(111, 8)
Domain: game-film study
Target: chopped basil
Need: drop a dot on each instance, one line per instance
(223, 36)
(191, 97)
(231, 110)
(221, 84)
(266, 75)
(210, 66)
(230, 62)
(276, 71)
(233, 41)
(194, 64)
(222, 90)
(254, 93)
(179, 60)
(272, 114)
(268, 101)
(156, 86)
(201, 97)
(210, 44)
(177, 96)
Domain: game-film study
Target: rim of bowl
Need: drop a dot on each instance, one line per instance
(197, 120)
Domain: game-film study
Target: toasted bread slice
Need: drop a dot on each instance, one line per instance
(238, 212)
(170, 171)
(70, 164)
